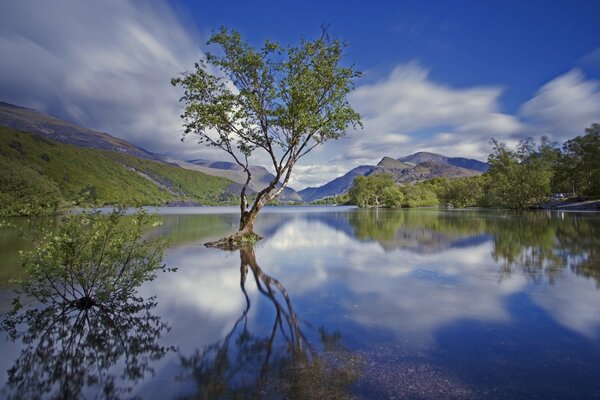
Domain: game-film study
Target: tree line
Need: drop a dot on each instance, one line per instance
(519, 178)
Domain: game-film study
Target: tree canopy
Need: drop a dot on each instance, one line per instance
(281, 101)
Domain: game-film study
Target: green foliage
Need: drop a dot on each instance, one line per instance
(462, 192)
(375, 190)
(83, 316)
(25, 191)
(72, 175)
(284, 102)
(92, 259)
(518, 179)
(578, 166)
(341, 199)
(380, 190)
(419, 195)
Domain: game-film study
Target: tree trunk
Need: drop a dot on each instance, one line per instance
(245, 236)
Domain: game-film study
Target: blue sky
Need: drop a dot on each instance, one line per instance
(442, 76)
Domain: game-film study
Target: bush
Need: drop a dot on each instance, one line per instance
(92, 259)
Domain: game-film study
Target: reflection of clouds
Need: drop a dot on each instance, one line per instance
(573, 303)
(200, 302)
(412, 295)
(431, 291)
(304, 234)
(295, 255)
(403, 291)
(411, 292)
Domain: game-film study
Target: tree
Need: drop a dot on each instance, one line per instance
(578, 166)
(462, 192)
(519, 179)
(375, 191)
(282, 102)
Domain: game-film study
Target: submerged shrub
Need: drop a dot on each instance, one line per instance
(92, 259)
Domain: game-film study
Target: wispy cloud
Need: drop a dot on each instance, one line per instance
(398, 108)
(563, 107)
(103, 64)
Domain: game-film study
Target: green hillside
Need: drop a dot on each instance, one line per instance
(39, 176)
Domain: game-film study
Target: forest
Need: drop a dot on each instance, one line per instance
(520, 178)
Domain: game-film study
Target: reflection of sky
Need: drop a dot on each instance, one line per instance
(362, 287)
(405, 292)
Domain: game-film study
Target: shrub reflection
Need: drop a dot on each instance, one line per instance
(84, 331)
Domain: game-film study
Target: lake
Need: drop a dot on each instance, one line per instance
(338, 302)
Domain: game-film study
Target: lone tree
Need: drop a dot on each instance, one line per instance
(280, 101)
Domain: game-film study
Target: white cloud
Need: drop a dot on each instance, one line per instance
(103, 64)
(572, 304)
(315, 174)
(565, 106)
(396, 108)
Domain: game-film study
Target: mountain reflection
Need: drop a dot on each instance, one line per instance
(277, 363)
(540, 244)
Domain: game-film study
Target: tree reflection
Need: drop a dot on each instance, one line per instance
(279, 364)
(542, 245)
(421, 231)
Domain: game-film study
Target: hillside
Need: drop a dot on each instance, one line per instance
(38, 123)
(39, 175)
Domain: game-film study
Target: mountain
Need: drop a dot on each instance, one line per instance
(428, 170)
(337, 186)
(417, 167)
(261, 177)
(43, 125)
(460, 162)
(38, 123)
(38, 175)
(389, 163)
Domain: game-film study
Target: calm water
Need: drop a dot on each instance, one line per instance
(419, 304)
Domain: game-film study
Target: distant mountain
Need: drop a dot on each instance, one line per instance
(335, 187)
(38, 123)
(389, 163)
(417, 167)
(428, 170)
(261, 177)
(460, 162)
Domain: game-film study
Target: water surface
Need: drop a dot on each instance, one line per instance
(336, 301)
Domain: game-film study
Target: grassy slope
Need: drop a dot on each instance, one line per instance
(96, 177)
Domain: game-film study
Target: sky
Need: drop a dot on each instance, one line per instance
(440, 76)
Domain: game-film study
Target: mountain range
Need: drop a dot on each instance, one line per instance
(416, 167)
